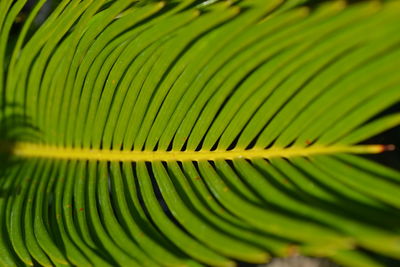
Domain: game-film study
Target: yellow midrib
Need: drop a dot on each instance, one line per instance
(30, 150)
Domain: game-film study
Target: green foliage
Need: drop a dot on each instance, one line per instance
(189, 75)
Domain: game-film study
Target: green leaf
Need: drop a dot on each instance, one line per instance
(188, 133)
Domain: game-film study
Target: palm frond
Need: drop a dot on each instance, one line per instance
(143, 133)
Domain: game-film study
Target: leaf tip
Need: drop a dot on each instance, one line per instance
(390, 147)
